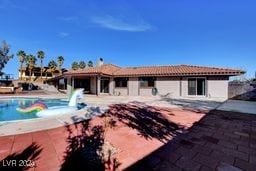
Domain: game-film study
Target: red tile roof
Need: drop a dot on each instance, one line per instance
(171, 70)
(106, 69)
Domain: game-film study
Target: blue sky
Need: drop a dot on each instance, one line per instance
(131, 32)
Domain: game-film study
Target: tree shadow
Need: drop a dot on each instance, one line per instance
(23, 160)
(86, 142)
(85, 149)
(149, 121)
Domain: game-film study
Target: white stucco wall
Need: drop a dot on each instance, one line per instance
(167, 85)
(145, 92)
(121, 91)
(184, 86)
(217, 87)
(133, 86)
(93, 85)
(111, 86)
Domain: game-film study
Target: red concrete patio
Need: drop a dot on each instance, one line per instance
(141, 138)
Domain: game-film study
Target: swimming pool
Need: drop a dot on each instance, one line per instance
(8, 107)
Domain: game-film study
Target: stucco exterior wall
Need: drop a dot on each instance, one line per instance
(145, 92)
(121, 91)
(133, 86)
(168, 85)
(111, 86)
(184, 86)
(69, 85)
(217, 87)
(93, 85)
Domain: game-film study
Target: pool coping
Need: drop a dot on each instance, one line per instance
(39, 124)
(21, 126)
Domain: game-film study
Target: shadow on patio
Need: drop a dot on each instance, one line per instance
(87, 146)
(23, 160)
(149, 121)
(219, 141)
(87, 149)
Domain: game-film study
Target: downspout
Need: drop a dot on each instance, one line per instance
(97, 93)
(180, 86)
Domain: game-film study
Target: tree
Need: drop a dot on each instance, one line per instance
(4, 57)
(90, 64)
(22, 57)
(52, 65)
(40, 55)
(75, 65)
(82, 65)
(31, 62)
(60, 61)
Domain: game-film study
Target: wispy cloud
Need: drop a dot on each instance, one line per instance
(116, 23)
(7, 4)
(68, 19)
(63, 34)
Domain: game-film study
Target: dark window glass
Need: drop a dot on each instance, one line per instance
(200, 86)
(27, 73)
(196, 86)
(191, 86)
(121, 82)
(147, 81)
(37, 74)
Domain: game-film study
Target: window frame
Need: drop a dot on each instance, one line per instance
(196, 88)
(147, 79)
(121, 80)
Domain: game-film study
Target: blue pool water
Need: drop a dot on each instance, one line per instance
(8, 107)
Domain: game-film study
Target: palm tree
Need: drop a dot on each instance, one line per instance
(31, 62)
(22, 57)
(60, 60)
(52, 65)
(74, 65)
(90, 64)
(82, 65)
(40, 55)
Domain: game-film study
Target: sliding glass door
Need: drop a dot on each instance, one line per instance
(196, 86)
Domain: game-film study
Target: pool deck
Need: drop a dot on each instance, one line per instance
(37, 124)
(148, 134)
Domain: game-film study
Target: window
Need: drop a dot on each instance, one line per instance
(27, 73)
(196, 86)
(147, 82)
(121, 82)
(37, 74)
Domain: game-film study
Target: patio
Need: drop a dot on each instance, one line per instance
(139, 136)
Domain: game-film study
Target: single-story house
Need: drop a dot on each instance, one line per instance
(176, 80)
